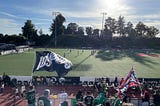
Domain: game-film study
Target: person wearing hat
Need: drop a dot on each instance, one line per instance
(44, 99)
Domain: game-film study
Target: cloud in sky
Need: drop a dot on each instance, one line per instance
(8, 14)
(9, 26)
(83, 12)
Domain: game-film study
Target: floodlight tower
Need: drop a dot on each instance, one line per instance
(55, 31)
(103, 14)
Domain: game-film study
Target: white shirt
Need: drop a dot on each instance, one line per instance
(16, 90)
(2, 86)
(63, 97)
(23, 89)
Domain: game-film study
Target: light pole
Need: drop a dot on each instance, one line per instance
(103, 14)
(55, 31)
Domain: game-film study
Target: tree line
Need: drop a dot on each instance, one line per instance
(73, 35)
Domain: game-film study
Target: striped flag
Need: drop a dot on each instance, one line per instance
(130, 81)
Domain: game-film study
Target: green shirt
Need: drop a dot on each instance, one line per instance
(96, 101)
(43, 101)
(117, 102)
(31, 96)
(102, 98)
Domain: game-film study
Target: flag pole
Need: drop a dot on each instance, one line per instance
(32, 70)
(31, 79)
(138, 81)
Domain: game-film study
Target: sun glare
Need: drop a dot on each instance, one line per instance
(110, 4)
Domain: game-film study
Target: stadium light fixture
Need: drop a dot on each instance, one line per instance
(103, 14)
(55, 31)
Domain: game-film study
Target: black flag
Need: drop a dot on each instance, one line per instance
(50, 61)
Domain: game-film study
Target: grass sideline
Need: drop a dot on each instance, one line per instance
(104, 63)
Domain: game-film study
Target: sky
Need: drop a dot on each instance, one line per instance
(14, 13)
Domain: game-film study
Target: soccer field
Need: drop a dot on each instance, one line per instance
(104, 63)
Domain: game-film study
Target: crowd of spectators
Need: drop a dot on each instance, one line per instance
(103, 92)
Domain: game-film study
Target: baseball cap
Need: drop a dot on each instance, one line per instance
(46, 92)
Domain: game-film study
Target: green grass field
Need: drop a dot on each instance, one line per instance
(104, 63)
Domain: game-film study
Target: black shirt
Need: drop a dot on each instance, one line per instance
(88, 100)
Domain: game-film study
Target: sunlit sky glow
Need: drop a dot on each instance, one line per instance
(14, 13)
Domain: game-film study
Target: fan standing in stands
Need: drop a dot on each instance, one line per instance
(145, 97)
(63, 98)
(2, 87)
(43, 100)
(88, 100)
(31, 96)
(79, 96)
(156, 98)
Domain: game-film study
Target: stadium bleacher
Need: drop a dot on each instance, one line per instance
(73, 84)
